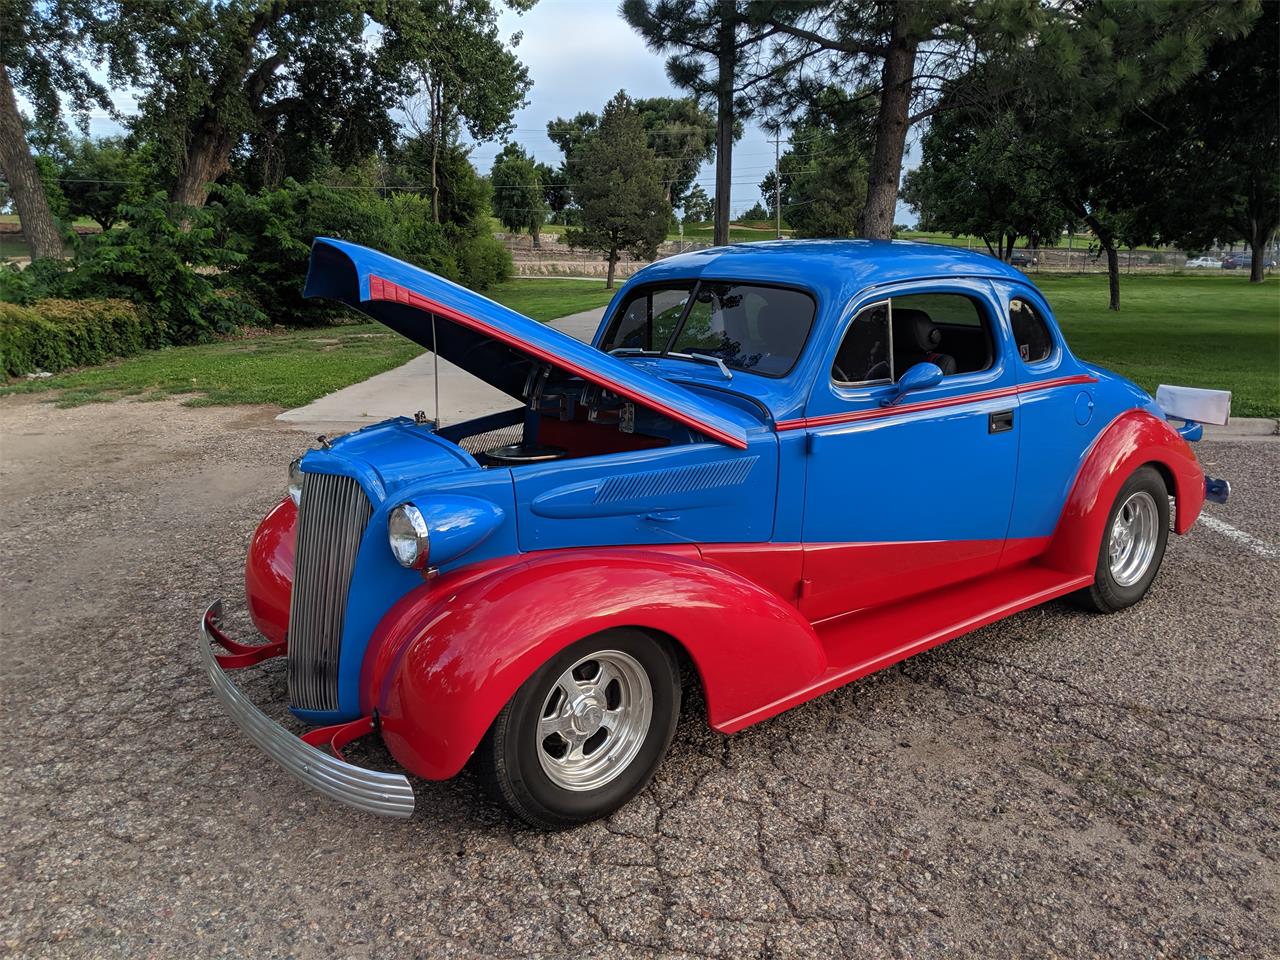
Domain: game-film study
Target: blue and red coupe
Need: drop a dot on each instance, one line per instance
(777, 468)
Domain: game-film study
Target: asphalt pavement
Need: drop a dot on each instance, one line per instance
(1058, 784)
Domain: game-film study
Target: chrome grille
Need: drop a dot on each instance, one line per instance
(331, 519)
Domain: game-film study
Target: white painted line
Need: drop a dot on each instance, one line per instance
(1260, 547)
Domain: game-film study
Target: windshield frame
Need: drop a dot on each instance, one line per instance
(694, 285)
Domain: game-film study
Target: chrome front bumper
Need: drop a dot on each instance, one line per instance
(373, 791)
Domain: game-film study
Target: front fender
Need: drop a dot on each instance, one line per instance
(1134, 438)
(449, 655)
(268, 571)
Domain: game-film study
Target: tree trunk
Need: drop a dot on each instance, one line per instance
(613, 262)
(208, 157)
(876, 222)
(1257, 251)
(1113, 273)
(25, 185)
(724, 120)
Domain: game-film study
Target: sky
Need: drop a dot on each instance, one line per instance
(579, 54)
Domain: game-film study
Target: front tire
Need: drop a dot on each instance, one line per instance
(586, 732)
(1133, 544)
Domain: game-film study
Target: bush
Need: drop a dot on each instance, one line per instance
(55, 334)
(165, 258)
(272, 232)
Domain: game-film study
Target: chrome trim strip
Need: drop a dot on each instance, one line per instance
(372, 791)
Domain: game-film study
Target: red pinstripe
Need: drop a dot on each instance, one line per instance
(801, 423)
(380, 289)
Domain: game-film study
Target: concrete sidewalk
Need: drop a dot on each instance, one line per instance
(409, 388)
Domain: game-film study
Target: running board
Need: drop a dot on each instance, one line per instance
(862, 643)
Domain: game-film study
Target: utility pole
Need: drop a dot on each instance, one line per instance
(777, 186)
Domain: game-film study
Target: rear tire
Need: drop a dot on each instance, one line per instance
(1133, 544)
(586, 732)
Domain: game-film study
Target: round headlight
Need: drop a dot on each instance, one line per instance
(407, 533)
(295, 481)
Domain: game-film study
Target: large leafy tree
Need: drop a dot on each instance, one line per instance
(978, 176)
(822, 182)
(618, 188)
(713, 46)
(290, 73)
(47, 49)
(1213, 148)
(518, 200)
(100, 177)
(1092, 68)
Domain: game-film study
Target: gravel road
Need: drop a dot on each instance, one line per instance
(1059, 784)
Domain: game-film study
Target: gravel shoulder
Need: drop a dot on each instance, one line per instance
(1058, 784)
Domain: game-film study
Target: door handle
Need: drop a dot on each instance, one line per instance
(661, 517)
(1000, 422)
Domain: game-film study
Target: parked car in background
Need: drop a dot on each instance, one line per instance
(1023, 260)
(1235, 261)
(777, 468)
(1203, 263)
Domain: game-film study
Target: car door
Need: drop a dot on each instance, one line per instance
(908, 494)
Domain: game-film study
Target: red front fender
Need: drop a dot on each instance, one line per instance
(268, 571)
(1132, 439)
(449, 655)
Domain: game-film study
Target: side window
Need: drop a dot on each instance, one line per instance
(1030, 332)
(887, 339)
(864, 355)
(947, 329)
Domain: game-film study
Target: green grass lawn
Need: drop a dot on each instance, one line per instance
(1219, 332)
(287, 369)
(1203, 331)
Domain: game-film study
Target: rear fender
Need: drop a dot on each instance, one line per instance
(450, 654)
(1131, 440)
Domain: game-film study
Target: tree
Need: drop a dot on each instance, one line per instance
(897, 55)
(823, 174)
(1092, 68)
(518, 200)
(712, 44)
(291, 73)
(99, 177)
(556, 192)
(982, 178)
(681, 133)
(1214, 148)
(697, 205)
(619, 190)
(754, 213)
(46, 50)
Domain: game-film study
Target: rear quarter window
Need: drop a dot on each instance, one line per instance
(1030, 332)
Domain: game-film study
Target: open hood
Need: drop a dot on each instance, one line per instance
(489, 340)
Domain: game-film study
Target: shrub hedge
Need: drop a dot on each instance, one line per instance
(52, 335)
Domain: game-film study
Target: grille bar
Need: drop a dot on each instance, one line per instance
(332, 517)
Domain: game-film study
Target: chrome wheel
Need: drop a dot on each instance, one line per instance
(1135, 532)
(595, 720)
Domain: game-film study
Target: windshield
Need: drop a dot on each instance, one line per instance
(750, 327)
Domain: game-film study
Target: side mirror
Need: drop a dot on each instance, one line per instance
(921, 376)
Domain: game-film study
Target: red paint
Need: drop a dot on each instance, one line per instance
(877, 413)
(239, 654)
(583, 439)
(464, 654)
(268, 571)
(1131, 440)
(380, 289)
(848, 577)
(862, 643)
(777, 567)
(338, 735)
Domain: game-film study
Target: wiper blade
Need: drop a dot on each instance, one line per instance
(633, 352)
(707, 358)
